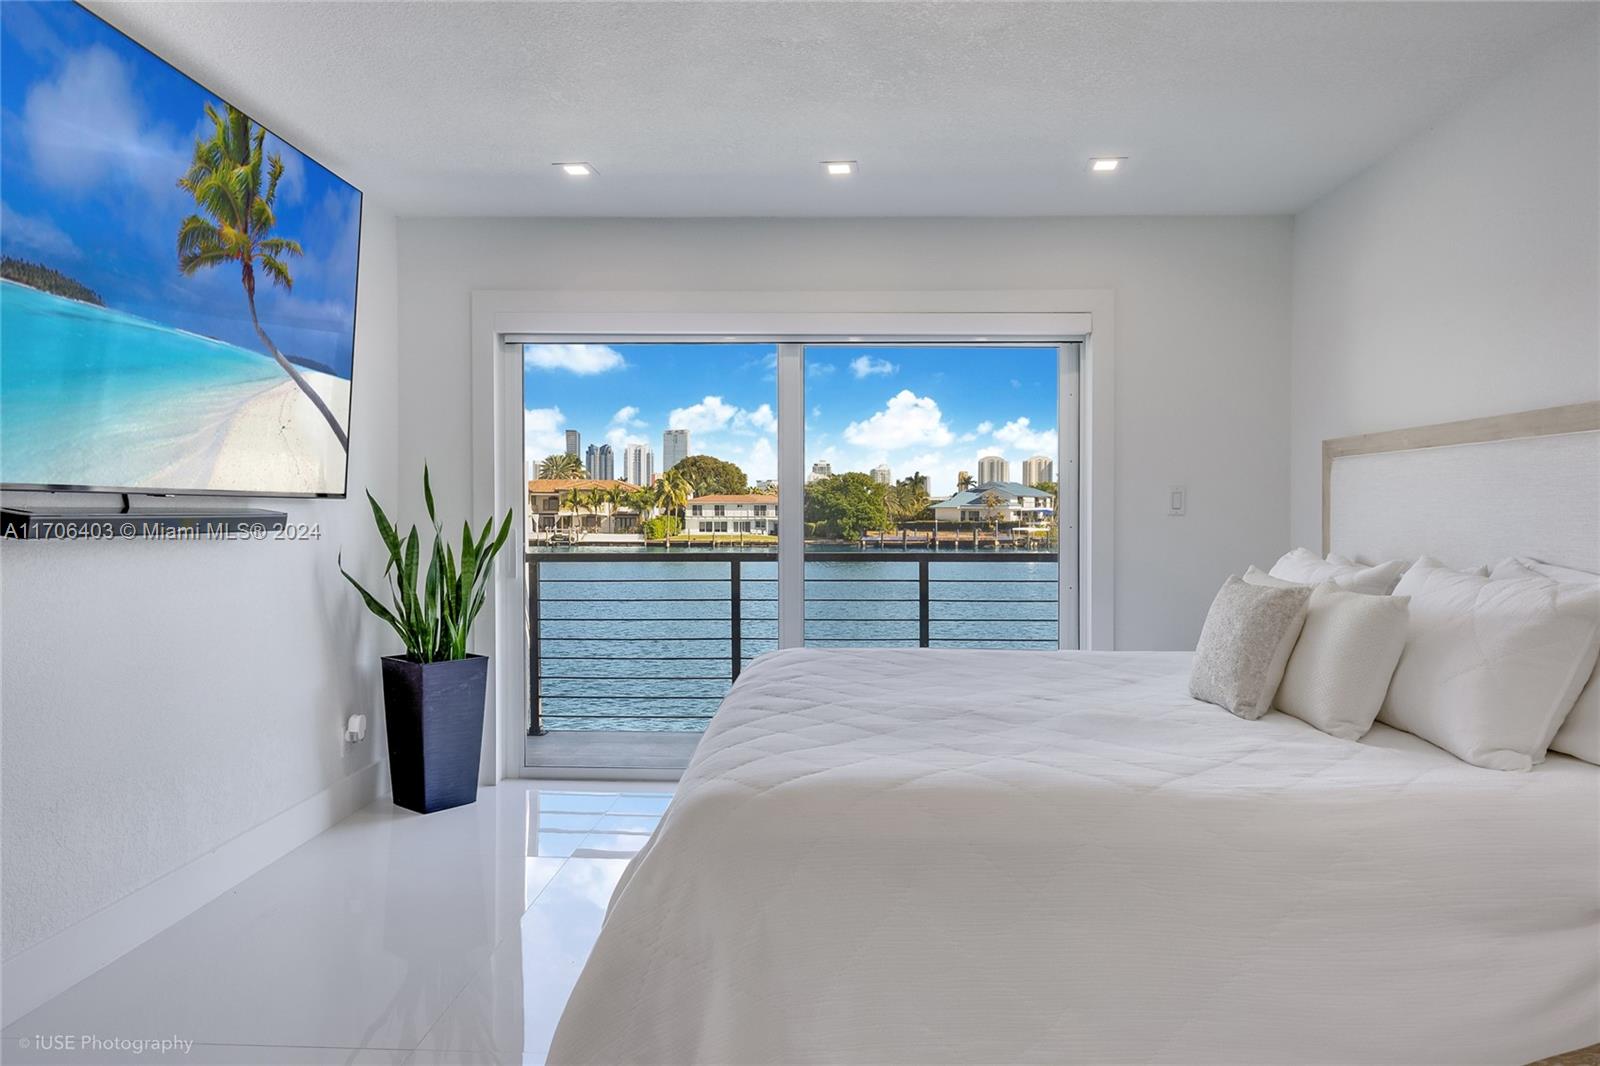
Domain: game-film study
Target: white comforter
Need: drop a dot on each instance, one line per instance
(949, 856)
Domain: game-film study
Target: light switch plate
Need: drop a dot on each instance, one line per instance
(1177, 500)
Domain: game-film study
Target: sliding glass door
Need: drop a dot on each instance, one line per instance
(932, 511)
(935, 496)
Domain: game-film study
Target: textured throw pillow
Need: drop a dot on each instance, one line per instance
(1305, 567)
(1340, 668)
(1579, 735)
(1244, 645)
(1491, 668)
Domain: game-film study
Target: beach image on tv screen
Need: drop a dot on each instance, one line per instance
(177, 284)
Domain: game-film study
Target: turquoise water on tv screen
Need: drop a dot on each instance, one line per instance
(92, 396)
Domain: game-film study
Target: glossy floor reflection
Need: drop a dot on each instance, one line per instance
(392, 938)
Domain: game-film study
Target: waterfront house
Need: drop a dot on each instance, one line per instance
(548, 509)
(747, 513)
(1018, 504)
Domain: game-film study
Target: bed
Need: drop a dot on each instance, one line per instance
(957, 856)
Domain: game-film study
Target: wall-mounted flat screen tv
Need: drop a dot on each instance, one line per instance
(177, 282)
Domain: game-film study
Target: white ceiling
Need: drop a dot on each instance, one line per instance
(703, 109)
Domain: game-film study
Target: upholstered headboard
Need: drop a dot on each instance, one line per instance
(1469, 492)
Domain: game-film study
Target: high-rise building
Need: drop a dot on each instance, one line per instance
(819, 470)
(993, 468)
(674, 448)
(638, 465)
(574, 442)
(881, 475)
(591, 461)
(1038, 470)
(604, 464)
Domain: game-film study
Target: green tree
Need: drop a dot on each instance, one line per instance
(1048, 488)
(908, 498)
(642, 500)
(574, 500)
(994, 508)
(673, 491)
(562, 466)
(225, 178)
(847, 505)
(964, 481)
(707, 474)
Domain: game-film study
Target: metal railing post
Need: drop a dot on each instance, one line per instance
(922, 603)
(735, 622)
(535, 728)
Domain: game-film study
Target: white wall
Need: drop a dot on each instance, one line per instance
(1202, 339)
(161, 699)
(1458, 277)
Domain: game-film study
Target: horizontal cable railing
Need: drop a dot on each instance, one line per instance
(651, 641)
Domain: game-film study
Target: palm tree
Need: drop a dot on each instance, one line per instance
(642, 500)
(964, 482)
(225, 180)
(673, 493)
(616, 496)
(594, 499)
(563, 466)
(574, 500)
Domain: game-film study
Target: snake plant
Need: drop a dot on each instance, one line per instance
(434, 623)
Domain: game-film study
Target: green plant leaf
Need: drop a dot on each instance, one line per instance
(427, 495)
(386, 530)
(375, 606)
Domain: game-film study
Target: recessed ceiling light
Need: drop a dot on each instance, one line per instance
(839, 168)
(1105, 164)
(577, 170)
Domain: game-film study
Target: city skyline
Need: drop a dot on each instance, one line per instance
(929, 410)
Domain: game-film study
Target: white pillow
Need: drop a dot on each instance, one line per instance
(1257, 576)
(1305, 567)
(1491, 668)
(1579, 735)
(1481, 570)
(1341, 666)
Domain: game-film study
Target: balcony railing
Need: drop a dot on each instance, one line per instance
(632, 640)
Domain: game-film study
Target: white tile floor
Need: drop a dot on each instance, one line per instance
(393, 938)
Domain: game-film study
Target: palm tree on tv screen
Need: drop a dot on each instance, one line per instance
(225, 179)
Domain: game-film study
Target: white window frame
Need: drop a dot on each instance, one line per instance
(503, 319)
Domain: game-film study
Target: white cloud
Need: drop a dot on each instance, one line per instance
(541, 432)
(761, 462)
(627, 416)
(711, 413)
(582, 359)
(37, 235)
(908, 420)
(863, 366)
(1021, 436)
(86, 125)
(985, 427)
(819, 370)
(763, 418)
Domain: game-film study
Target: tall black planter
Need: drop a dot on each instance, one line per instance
(434, 713)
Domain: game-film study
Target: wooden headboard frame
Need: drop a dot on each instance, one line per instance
(1548, 421)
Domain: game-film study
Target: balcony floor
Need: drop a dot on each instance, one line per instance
(585, 753)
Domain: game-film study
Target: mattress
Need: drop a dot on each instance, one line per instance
(984, 856)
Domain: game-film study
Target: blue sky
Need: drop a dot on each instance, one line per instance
(931, 409)
(94, 134)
